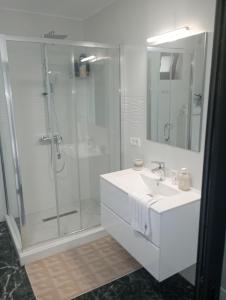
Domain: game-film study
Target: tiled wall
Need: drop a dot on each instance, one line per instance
(133, 89)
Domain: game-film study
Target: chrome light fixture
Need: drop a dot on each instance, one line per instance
(170, 36)
(88, 58)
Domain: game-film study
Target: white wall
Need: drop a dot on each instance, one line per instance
(130, 22)
(27, 24)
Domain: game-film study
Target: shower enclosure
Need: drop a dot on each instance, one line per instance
(60, 129)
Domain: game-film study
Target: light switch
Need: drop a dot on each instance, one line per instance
(135, 141)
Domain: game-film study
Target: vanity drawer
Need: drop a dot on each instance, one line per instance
(115, 199)
(118, 201)
(140, 248)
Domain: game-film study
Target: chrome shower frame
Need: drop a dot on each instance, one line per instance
(4, 60)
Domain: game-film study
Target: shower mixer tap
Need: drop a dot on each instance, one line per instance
(57, 139)
(46, 139)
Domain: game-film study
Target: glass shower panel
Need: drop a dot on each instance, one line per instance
(66, 106)
(30, 101)
(98, 123)
(84, 85)
(63, 106)
(7, 163)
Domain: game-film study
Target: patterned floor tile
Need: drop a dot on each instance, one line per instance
(14, 284)
(140, 285)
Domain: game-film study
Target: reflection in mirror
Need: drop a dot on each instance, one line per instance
(175, 92)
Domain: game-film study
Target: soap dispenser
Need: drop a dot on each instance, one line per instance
(184, 180)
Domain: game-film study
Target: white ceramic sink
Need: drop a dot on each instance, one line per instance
(158, 188)
(146, 183)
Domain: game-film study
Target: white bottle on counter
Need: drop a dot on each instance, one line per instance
(184, 180)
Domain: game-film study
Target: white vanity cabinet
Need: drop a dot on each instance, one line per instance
(172, 245)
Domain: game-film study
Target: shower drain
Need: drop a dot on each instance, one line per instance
(60, 216)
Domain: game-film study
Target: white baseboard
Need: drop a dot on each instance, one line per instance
(40, 251)
(62, 244)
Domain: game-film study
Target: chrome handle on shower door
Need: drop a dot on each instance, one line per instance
(167, 126)
(58, 140)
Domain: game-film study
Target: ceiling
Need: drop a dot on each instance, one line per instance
(71, 9)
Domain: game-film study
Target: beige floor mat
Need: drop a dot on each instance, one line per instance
(69, 274)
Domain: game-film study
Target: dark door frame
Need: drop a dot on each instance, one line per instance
(213, 204)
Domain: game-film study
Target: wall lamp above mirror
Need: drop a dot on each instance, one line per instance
(175, 84)
(170, 36)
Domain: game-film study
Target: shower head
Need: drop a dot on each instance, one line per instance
(53, 35)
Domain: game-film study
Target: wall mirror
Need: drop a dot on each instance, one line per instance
(175, 83)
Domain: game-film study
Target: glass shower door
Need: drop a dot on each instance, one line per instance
(66, 106)
(61, 112)
(85, 108)
(29, 104)
(7, 162)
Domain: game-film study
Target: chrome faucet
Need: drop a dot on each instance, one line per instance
(160, 169)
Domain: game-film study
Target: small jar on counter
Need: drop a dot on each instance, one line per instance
(138, 164)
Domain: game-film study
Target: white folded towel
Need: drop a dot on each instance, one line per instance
(140, 217)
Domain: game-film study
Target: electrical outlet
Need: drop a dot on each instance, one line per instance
(135, 141)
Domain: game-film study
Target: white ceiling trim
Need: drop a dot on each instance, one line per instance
(99, 10)
(39, 13)
(56, 15)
